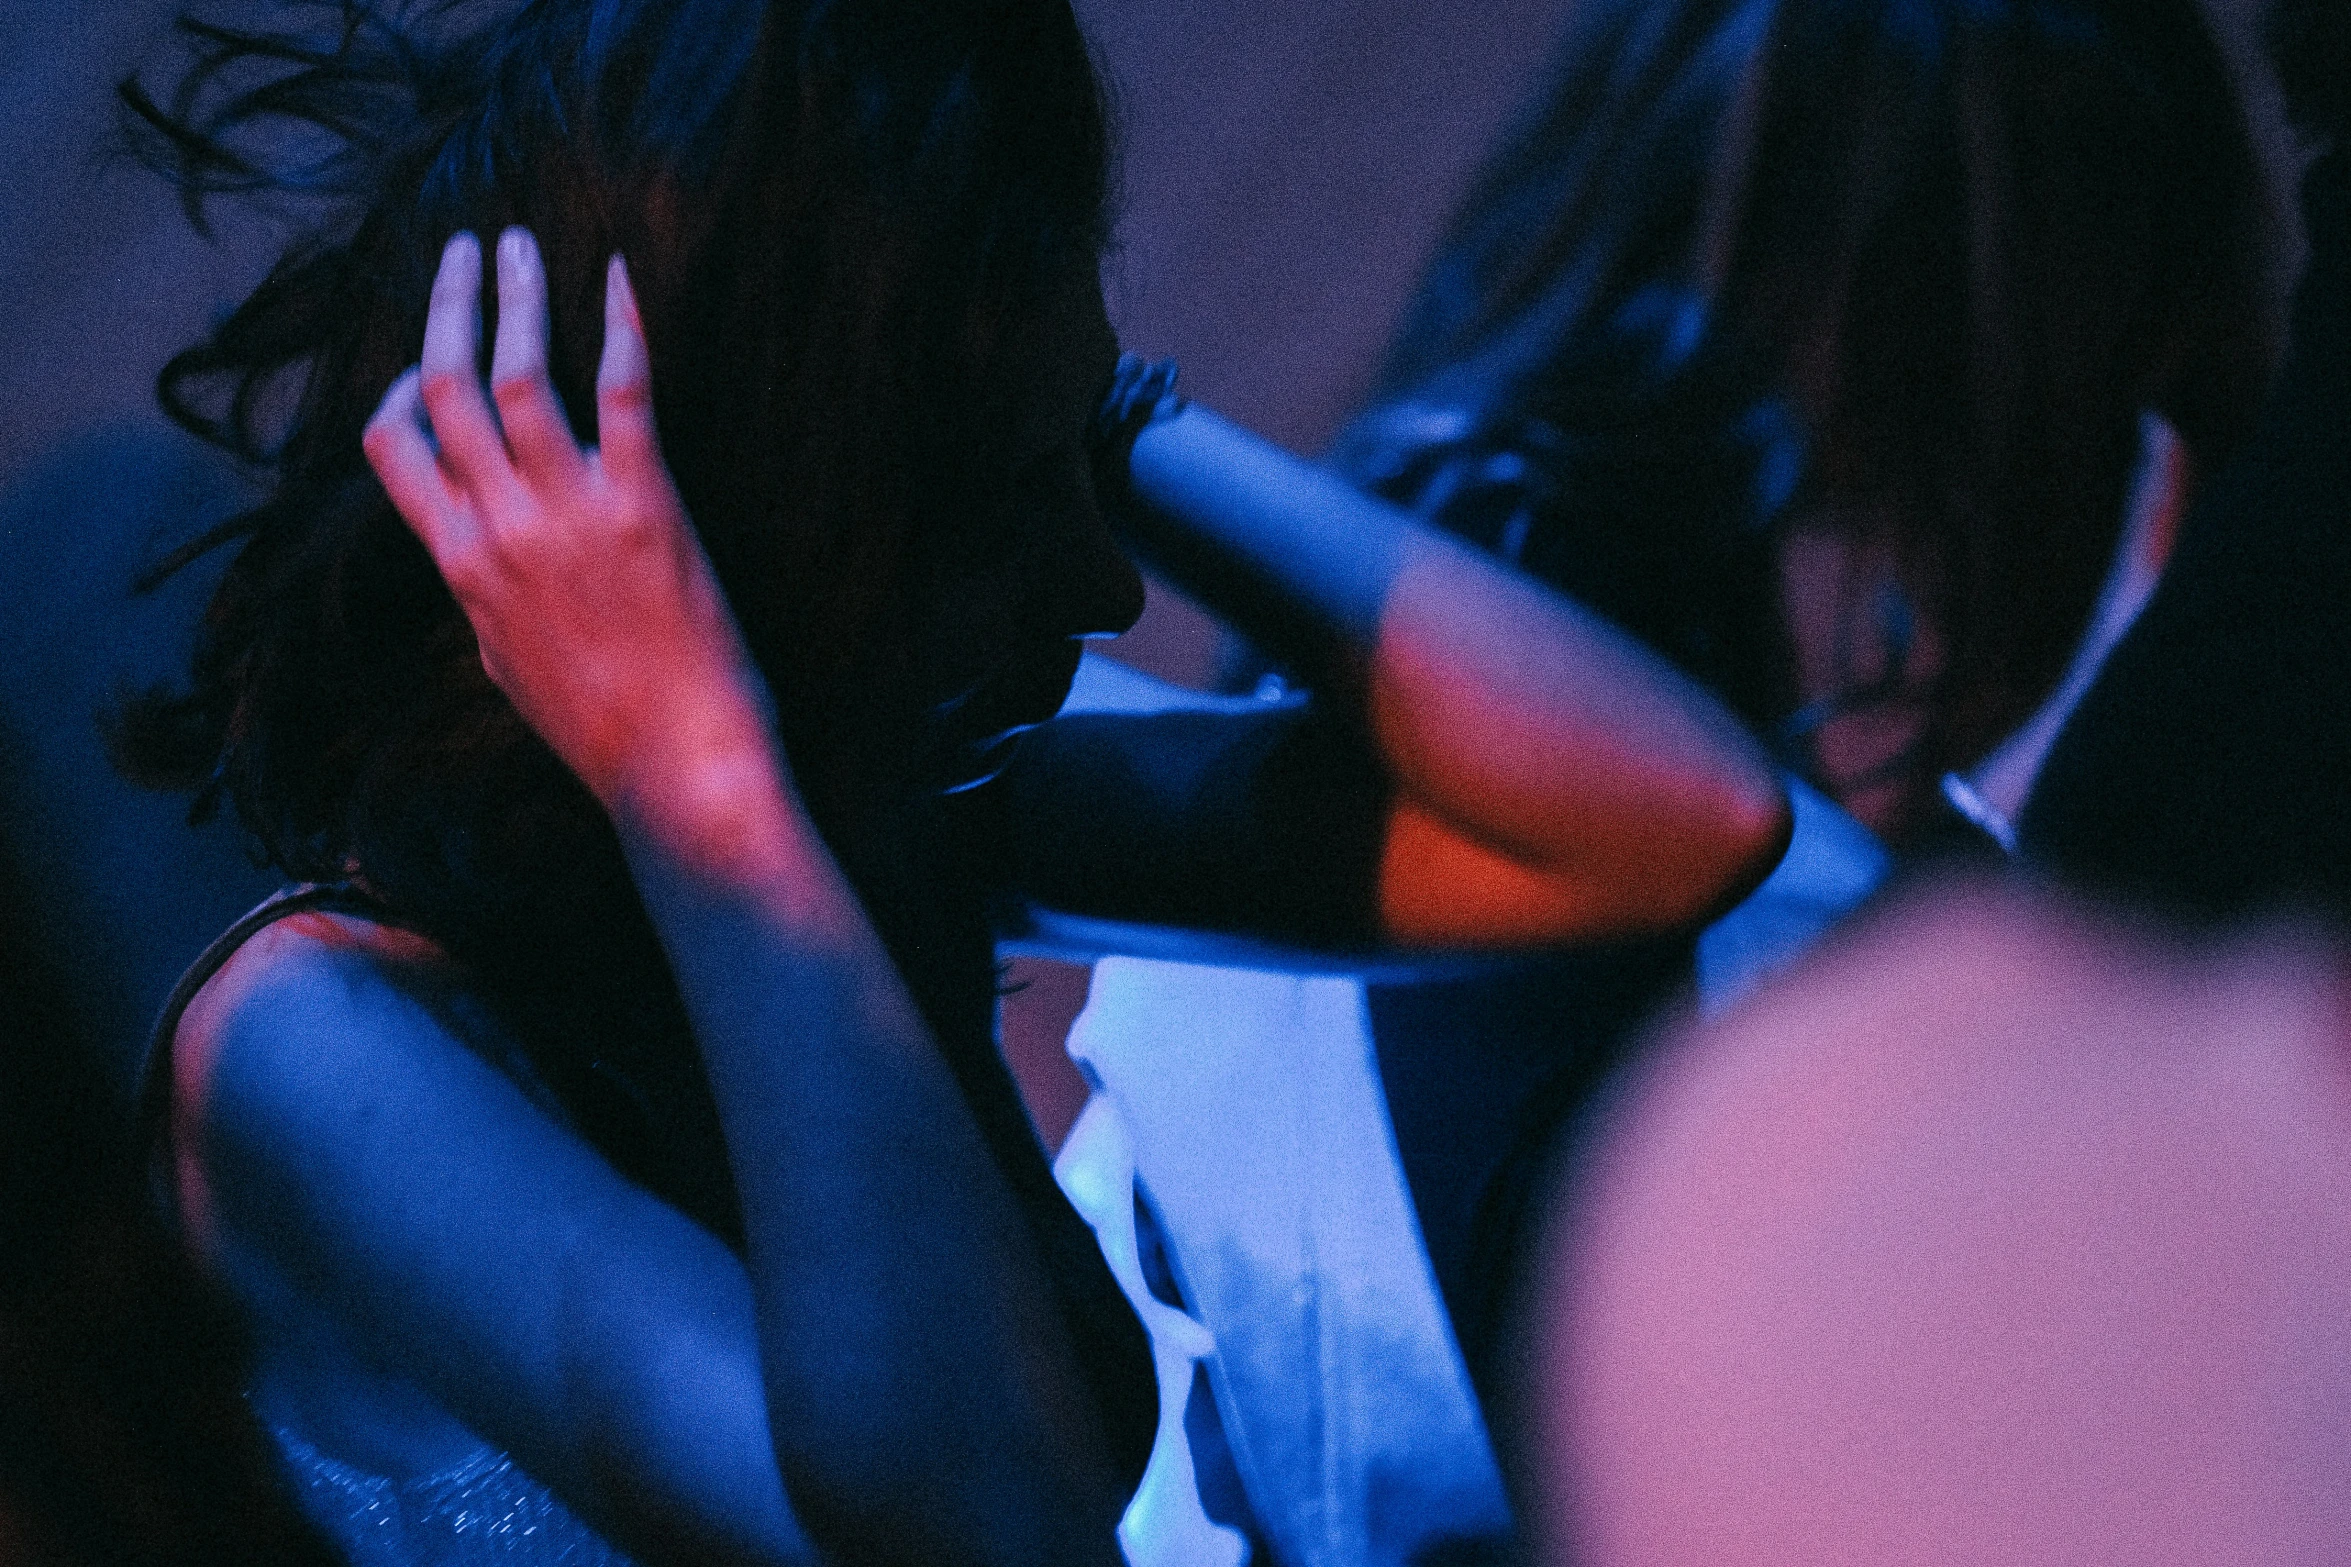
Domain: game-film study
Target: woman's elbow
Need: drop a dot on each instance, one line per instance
(1687, 833)
(1752, 828)
(1698, 857)
(1676, 862)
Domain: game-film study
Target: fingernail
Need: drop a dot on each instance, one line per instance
(461, 264)
(625, 291)
(520, 248)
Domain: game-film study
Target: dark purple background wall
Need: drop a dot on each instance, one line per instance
(1287, 163)
(99, 281)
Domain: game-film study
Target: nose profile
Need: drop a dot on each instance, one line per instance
(1112, 592)
(1087, 586)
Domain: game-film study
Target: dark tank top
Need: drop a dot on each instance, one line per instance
(1112, 1351)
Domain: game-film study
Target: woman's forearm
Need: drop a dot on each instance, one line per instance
(924, 1400)
(1550, 771)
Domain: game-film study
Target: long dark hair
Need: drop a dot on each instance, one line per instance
(1920, 261)
(834, 212)
(2310, 44)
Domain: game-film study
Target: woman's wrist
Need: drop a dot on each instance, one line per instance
(1279, 546)
(713, 796)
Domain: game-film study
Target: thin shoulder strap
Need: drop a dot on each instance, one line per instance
(151, 1108)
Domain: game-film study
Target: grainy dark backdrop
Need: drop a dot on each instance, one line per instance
(1287, 163)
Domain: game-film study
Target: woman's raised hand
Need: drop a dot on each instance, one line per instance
(596, 610)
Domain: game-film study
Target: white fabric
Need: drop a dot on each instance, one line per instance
(1832, 864)
(1249, 1105)
(1164, 1525)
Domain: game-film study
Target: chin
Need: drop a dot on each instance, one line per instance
(986, 725)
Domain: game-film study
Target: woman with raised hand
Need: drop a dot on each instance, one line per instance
(1825, 344)
(606, 1141)
(1854, 355)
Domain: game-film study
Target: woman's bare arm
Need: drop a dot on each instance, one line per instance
(922, 1397)
(345, 1156)
(1551, 780)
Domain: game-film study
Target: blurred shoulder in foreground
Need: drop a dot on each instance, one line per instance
(1995, 1235)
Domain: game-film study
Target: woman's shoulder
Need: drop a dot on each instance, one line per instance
(315, 1025)
(301, 973)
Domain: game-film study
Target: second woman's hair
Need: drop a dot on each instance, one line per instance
(1922, 263)
(2310, 44)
